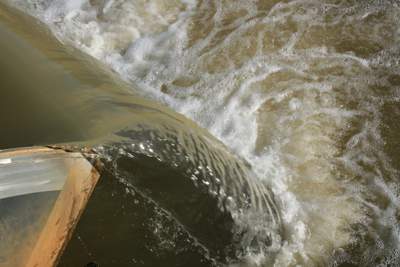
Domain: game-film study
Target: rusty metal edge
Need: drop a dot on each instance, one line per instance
(67, 209)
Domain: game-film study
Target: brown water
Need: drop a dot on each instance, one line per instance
(176, 173)
(306, 91)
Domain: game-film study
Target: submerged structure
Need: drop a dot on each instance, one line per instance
(42, 194)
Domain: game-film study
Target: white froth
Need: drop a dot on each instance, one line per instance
(281, 84)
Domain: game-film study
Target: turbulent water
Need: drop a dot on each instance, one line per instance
(306, 91)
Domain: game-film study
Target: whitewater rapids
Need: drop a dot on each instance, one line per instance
(306, 91)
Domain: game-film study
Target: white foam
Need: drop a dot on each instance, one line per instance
(277, 87)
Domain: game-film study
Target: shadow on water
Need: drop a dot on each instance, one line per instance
(134, 232)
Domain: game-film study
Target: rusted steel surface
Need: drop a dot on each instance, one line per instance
(39, 243)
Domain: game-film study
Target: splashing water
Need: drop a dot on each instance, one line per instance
(306, 91)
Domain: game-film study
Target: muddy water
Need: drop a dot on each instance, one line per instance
(182, 177)
(306, 91)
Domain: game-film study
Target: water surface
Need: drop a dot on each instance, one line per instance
(306, 91)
